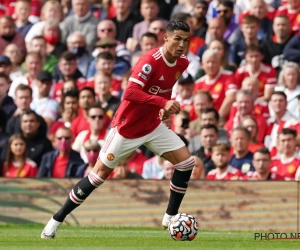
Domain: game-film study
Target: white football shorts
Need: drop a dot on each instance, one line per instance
(159, 141)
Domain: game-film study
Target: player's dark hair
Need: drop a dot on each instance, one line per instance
(263, 151)
(242, 129)
(211, 110)
(88, 89)
(210, 126)
(288, 131)
(105, 55)
(180, 17)
(150, 35)
(281, 93)
(177, 25)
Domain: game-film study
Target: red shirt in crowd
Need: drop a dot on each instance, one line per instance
(266, 76)
(137, 163)
(261, 107)
(230, 173)
(285, 168)
(219, 87)
(152, 75)
(252, 175)
(270, 14)
(58, 87)
(60, 166)
(293, 16)
(29, 169)
(35, 8)
(195, 44)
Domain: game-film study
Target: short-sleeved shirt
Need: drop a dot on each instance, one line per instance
(157, 77)
(243, 164)
(45, 107)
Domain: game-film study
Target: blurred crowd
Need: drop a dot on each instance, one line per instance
(64, 66)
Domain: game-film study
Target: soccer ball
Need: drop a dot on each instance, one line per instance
(183, 227)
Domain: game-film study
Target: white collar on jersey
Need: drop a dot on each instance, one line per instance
(166, 61)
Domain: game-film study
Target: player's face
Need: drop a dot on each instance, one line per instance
(287, 144)
(220, 158)
(244, 104)
(177, 42)
(261, 162)
(239, 141)
(278, 103)
(208, 138)
(18, 147)
(291, 78)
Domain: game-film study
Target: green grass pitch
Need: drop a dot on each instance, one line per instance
(118, 238)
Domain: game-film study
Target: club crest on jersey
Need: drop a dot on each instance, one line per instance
(177, 75)
(147, 68)
(110, 157)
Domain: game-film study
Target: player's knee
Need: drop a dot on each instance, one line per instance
(186, 165)
(102, 170)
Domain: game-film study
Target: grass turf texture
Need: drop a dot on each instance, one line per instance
(27, 237)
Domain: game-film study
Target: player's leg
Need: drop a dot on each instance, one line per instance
(115, 149)
(169, 146)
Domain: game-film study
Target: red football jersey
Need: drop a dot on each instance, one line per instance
(293, 16)
(261, 107)
(252, 175)
(29, 169)
(285, 168)
(157, 77)
(223, 84)
(266, 76)
(270, 14)
(116, 82)
(80, 82)
(226, 176)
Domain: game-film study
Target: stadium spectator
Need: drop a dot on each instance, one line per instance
(67, 70)
(23, 99)
(136, 161)
(209, 138)
(95, 132)
(69, 111)
(87, 98)
(38, 45)
(273, 47)
(33, 66)
(286, 163)
(280, 114)
(186, 6)
(82, 21)
(202, 100)
(92, 149)
(261, 163)
(249, 27)
(3, 135)
(219, 83)
(259, 9)
(158, 27)
(197, 172)
(149, 11)
(199, 18)
(17, 164)
(124, 19)
(209, 116)
(168, 169)
(245, 107)
(181, 126)
(6, 102)
(44, 105)
(265, 74)
(153, 168)
(22, 11)
(242, 157)
(251, 125)
(122, 172)
(289, 83)
(291, 10)
(62, 162)
(9, 35)
(185, 88)
(13, 52)
(68, 86)
(216, 30)
(148, 41)
(5, 65)
(51, 11)
(221, 159)
(225, 10)
(104, 91)
(77, 45)
(52, 35)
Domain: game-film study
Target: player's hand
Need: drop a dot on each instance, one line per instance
(173, 107)
(164, 115)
